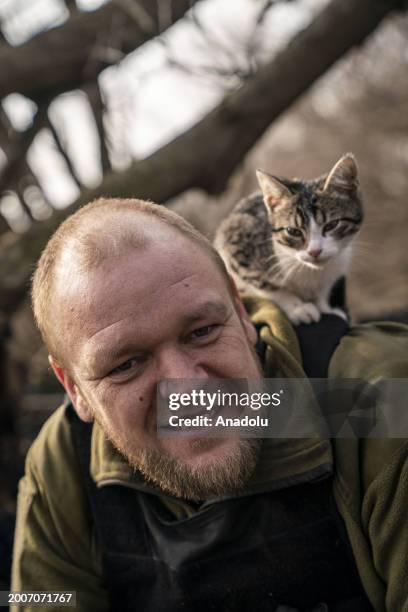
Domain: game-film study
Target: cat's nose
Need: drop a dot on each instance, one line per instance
(314, 253)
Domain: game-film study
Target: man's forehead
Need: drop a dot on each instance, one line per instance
(160, 268)
(80, 261)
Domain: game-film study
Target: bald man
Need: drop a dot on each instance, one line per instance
(127, 294)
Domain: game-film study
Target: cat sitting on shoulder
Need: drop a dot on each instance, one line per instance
(293, 241)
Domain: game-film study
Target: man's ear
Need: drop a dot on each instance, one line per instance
(80, 404)
(249, 327)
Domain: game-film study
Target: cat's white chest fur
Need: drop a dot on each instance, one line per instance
(305, 296)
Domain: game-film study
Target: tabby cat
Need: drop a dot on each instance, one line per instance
(293, 241)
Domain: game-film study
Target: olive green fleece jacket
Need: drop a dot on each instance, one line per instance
(55, 545)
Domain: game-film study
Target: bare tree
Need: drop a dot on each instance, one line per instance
(206, 155)
(53, 62)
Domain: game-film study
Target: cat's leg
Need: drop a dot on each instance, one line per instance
(296, 309)
(325, 308)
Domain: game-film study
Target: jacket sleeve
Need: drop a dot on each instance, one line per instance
(372, 473)
(55, 548)
(384, 515)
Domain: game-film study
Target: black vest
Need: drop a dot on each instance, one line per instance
(256, 552)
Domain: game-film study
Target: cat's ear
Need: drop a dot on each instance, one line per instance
(343, 176)
(273, 190)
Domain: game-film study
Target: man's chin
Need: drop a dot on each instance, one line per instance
(198, 451)
(198, 468)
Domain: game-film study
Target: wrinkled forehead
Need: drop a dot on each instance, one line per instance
(147, 275)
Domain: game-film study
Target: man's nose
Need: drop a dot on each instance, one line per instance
(314, 253)
(177, 363)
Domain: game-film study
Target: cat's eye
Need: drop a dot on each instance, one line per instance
(331, 225)
(294, 232)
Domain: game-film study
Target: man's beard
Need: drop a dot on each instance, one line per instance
(226, 473)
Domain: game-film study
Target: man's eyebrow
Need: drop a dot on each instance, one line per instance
(104, 356)
(209, 308)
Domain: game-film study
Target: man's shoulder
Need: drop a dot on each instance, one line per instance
(372, 351)
(362, 466)
(55, 535)
(52, 460)
(54, 489)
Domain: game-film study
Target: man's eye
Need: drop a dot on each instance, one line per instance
(293, 231)
(331, 225)
(204, 333)
(127, 366)
(201, 332)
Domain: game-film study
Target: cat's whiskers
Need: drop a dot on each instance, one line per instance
(272, 257)
(279, 268)
(293, 267)
(276, 272)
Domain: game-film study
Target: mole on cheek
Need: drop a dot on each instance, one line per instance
(141, 399)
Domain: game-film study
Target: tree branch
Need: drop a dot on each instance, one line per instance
(62, 151)
(18, 147)
(95, 100)
(54, 61)
(71, 6)
(139, 15)
(206, 155)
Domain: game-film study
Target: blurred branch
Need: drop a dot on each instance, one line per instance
(7, 132)
(232, 60)
(225, 66)
(213, 41)
(18, 147)
(4, 226)
(165, 13)
(205, 155)
(3, 39)
(98, 107)
(267, 4)
(255, 40)
(17, 174)
(139, 15)
(61, 148)
(211, 72)
(264, 10)
(29, 179)
(23, 202)
(54, 61)
(71, 6)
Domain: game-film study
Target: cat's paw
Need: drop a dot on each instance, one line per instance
(306, 312)
(334, 311)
